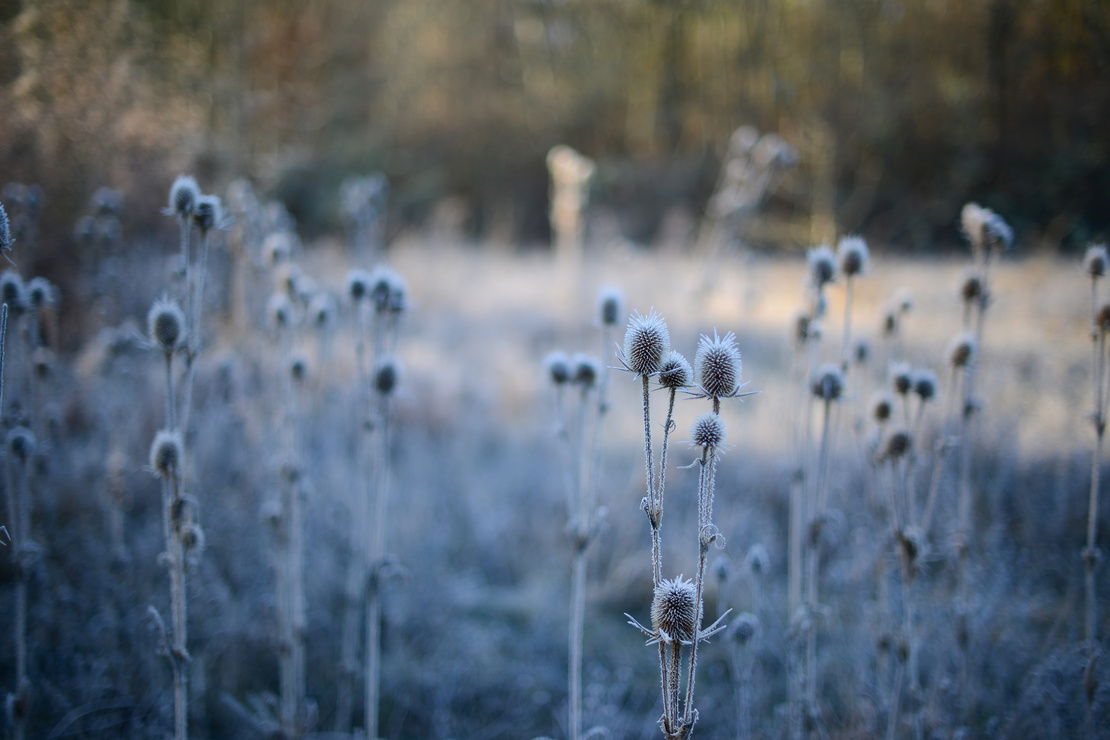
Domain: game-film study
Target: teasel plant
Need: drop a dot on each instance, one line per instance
(853, 257)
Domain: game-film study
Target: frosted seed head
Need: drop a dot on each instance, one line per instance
(674, 609)
(972, 218)
(1095, 260)
(925, 384)
(279, 309)
(184, 194)
(192, 537)
(298, 369)
(398, 295)
(675, 372)
(84, 231)
(166, 453)
(587, 370)
(387, 375)
(896, 444)
(822, 266)
(757, 561)
(12, 291)
(708, 430)
(278, 247)
(962, 349)
(861, 351)
(882, 406)
(21, 443)
(901, 378)
(717, 367)
(358, 285)
(166, 324)
(997, 232)
(646, 342)
(558, 367)
(891, 323)
(744, 628)
(382, 283)
(971, 288)
(610, 306)
(852, 254)
(321, 309)
(40, 292)
(828, 382)
(722, 568)
(803, 328)
(209, 213)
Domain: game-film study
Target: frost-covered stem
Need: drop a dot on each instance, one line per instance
(171, 419)
(846, 348)
(18, 536)
(171, 524)
(1090, 554)
(594, 482)
(813, 560)
(661, 484)
(706, 478)
(671, 703)
(582, 514)
(577, 621)
(377, 557)
(649, 471)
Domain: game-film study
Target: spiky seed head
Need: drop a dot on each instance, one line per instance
(278, 247)
(646, 342)
(997, 232)
(21, 443)
(1102, 318)
(962, 349)
(744, 628)
(675, 372)
(298, 369)
(972, 218)
(12, 291)
(708, 430)
(387, 375)
(321, 309)
(40, 292)
(822, 266)
(165, 324)
(358, 285)
(971, 289)
(717, 367)
(558, 367)
(674, 609)
(882, 406)
(5, 230)
(828, 382)
(901, 378)
(722, 568)
(925, 384)
(383, 283)
(587, 370)
(610, 305)
(757, 561)
(184, 194)
(1095, 260)
(280, 310)
(852, 254)
(166, 453)
(897, 443)
(209, 213)
(192, 537)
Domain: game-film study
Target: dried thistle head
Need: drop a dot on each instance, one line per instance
(822, 266)
(166, 453)
(184, 194)
(828, 382)
(1095, 260)
(674, 609)
(708, 430)
(165, 324)
(961, 350)
(925, 384)
(717, 366)
(675, 372)
(557, 365)
(610, 305)
(901, 378)
(587, 371)
(646, 342)
(852, 254)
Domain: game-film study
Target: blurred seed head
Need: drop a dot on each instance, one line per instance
(557, 365)
(209, 213)
(961, 350)
(757, 561)
(852, 254)
(717, 366)
(184, 194)
(384, 283)
(897, 443)
(901, 378)
(106, 202)
(278, 247)
(708, 430)
(321, 310)
(828, 382)
(722, 568)
(861, 351)
(40, 292)
(646, 342)
(925, 384)
(891, 324)
(13, 292)
(997, 232)
(358, 285)
(1095, 260)
(971, 287)
(587, 370)
(673, 609)
(387, 375)
(21, 443)
(280, 311)
(84, 231)
(804, 328)
(43, 362)
(744, 628)
(298, 368)
(882, 406)
(165, 324)
(675, 372)
(610, 305)
(166, 453)
(1102, 318)
(972, 218)
(822, 266)
(192, 537)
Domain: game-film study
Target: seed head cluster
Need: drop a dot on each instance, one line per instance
(708, 430)
(646, 342)
(717, 366)
(673, 610)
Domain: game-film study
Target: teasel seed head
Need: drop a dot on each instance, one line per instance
(822, 266)
(298, 369)
(209, 213)
(558, 367)
(21, 443)
(744, 628)
(184, 194)
(321, 310)
(358, 285)
(675, 372)
(166, 453)
(40, 293)
(901, 378)
(708, 430)
(1095, 260)
(722, 568)
(852, 254)
(925, 384)
(971, 288)
(757, 561)
(674, 610)
(882, 406)
(962, 349)
(828, 382)
(610, 305)
(646, 342)
(587, 371)
(387, 375)
(896, 444)
(166, 324)
(278, 247)
(717, 366)
(192, 537)
(385, 285)
(13, 292)
(1102, 318)
(280, 311)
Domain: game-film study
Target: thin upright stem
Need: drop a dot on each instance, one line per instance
(577, 623)
(657, 510)
(706, 476)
